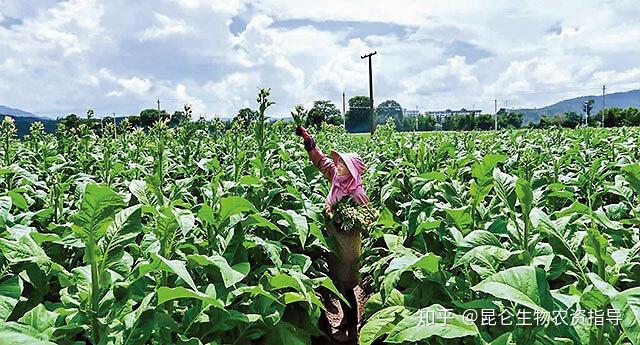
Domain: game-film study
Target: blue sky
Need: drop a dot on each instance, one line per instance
(58, 57)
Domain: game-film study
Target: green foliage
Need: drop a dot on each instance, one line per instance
(245, 117)
(353, 217)
(357, 117)
(203, 234)
(321, 112)
(389, 109)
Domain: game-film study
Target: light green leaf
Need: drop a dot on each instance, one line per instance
(97, 207)
(168, 294)
(525, 195)
(524, 285)
(23, 250)
(16, 338)
(5, 207)
(295, 221)
(628, 302)
(175, 266)
(124, 228)
(230, 275)
(430, 321)
(10, 291)
(380, 324)
(602, 285)
(232, 205)
(40, 319)
(504, 185)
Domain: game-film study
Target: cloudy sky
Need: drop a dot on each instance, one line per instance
(58, 57)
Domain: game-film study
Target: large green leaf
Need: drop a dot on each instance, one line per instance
(17, 338)
(230, 275)
(628, 303)
(487, 254)
(504, 185)
(632, 175)
(427, 322)
(124, 228)
(175, 266)
(525, 195)
(380, 324)
(286, 333)
(97, 207)
(168, 294)
(10, 291)
(40, 319)
(461, 218)
(296, 221)
(24, 249)
(232, 205)
(524, 285)
(428, 262)
(5, 206)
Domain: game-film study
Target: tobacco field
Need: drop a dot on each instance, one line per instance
(199, 235)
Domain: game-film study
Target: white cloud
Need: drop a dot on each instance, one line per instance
(134, 85)
(197, 105)
(121, 56)
(456, 74)
(166, 27)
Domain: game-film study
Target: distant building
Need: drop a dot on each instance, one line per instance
(441, 114)
(410, 112)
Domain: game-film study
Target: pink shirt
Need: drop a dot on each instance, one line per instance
(341, 185)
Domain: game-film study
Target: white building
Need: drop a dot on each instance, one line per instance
(410, 112)
(441, 114)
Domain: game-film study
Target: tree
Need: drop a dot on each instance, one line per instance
(357, 118)
(389, 109)
(149, 116)
(632, 117)
(571, 120)
(468, 122)
(323, 111)
(484, 122)
(71, 121)
(134, 121)
(181, 117)
(510, 120)
(613, 117)
(451, 123)
(426, 122)
(245, 117)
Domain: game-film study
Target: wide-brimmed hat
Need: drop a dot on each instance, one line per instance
(352, 160)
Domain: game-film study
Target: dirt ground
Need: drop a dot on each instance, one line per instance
(334, 315)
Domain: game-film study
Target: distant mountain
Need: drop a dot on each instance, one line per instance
(24, 119)
(618, 99)
(15, 112)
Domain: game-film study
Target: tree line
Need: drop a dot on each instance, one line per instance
(356, 118)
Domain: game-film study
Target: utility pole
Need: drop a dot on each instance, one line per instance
(604, 87)
(495, 117)
(158, 106)
(343, 106)
(372, 122)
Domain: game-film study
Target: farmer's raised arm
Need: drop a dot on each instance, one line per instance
(324, 164)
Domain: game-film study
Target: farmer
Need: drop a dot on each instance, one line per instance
(344, 171)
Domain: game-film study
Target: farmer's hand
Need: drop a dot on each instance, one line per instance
(301, 131)
(309, 142)
(329, 211)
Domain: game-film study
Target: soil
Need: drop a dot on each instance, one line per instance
(334, 315)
